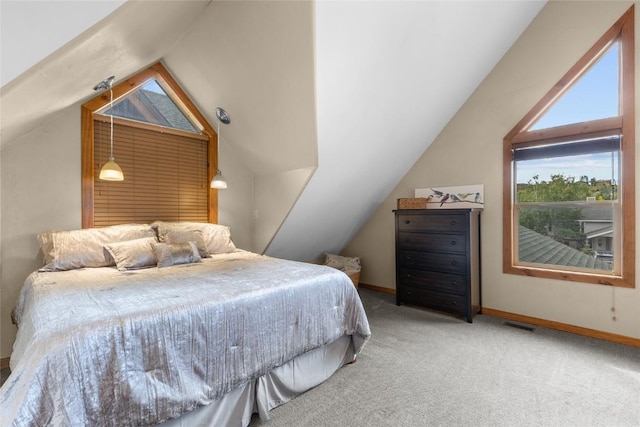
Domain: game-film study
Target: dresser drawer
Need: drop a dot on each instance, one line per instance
(430, 222)
(440, 301)
(432, 280)
(442, 262)
(455, 243)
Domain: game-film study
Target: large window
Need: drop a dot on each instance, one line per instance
(162, 143)
(569, 210)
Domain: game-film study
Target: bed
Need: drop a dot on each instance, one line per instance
(171, 324)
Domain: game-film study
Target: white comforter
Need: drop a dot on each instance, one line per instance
(101, 347)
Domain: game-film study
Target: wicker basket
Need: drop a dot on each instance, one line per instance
(413, 203)
(349, 265)
(355, 278)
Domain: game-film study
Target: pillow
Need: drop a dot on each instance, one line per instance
(175, 253)
(67, 250)
(349, 265)
(45, 239)
(133, 254)
(217, 238)
(173, 235)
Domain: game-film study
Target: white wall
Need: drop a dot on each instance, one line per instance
(469, 151)
(274, 195)
(234, 203)
(41, 190)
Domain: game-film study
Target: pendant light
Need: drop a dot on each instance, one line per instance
(218, 181)
(110, 171)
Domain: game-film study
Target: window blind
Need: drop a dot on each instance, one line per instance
(599, 145)
(165, 176)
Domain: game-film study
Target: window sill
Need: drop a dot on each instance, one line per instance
(572, 276)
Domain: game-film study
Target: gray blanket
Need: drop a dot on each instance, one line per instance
(102, 347)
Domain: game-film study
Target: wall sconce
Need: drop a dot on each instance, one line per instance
(110, 171)
(218, 181)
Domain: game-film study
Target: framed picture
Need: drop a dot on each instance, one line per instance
(458, 197)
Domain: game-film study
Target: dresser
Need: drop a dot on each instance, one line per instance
(438, 260)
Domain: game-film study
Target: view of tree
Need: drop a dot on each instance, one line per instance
(561, 223)
(561, 188)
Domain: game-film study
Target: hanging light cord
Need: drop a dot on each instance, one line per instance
(218, 180)
(111, 120)
(218, 151)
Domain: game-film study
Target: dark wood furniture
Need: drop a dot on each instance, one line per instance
(438, 260)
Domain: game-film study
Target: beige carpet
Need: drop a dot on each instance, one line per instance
(427, 369)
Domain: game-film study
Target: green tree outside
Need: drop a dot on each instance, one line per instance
(560, 223)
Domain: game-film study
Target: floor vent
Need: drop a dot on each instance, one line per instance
(523, 327)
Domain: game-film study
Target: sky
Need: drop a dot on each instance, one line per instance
(598, 166)
(593, 96)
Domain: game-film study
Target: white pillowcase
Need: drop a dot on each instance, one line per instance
(68, 250)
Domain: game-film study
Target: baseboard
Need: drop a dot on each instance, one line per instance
(592, 333)
(4, 363)
(378, 288)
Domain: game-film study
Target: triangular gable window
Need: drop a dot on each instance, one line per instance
(593, 96)
(165, 147)
(154, 103)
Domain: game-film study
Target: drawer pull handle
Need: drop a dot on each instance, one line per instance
(408, 258)
(454, 262)
(407, 221)
(453, 243)
(408, 276)
(454, 302)
(407, 240)
(454, 283)
(453, 222)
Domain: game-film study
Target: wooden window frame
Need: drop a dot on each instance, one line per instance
(623, 31)
(91, 108)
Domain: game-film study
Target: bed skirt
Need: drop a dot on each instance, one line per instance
(272, 389)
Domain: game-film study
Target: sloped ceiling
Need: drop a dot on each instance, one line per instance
(119, 45)
(19, 18)
(388, 77)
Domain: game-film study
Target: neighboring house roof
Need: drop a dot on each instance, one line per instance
(169, 110)
(152, 107)
(605, 231)
(539, 249)
(597, 213)
(597, 220)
